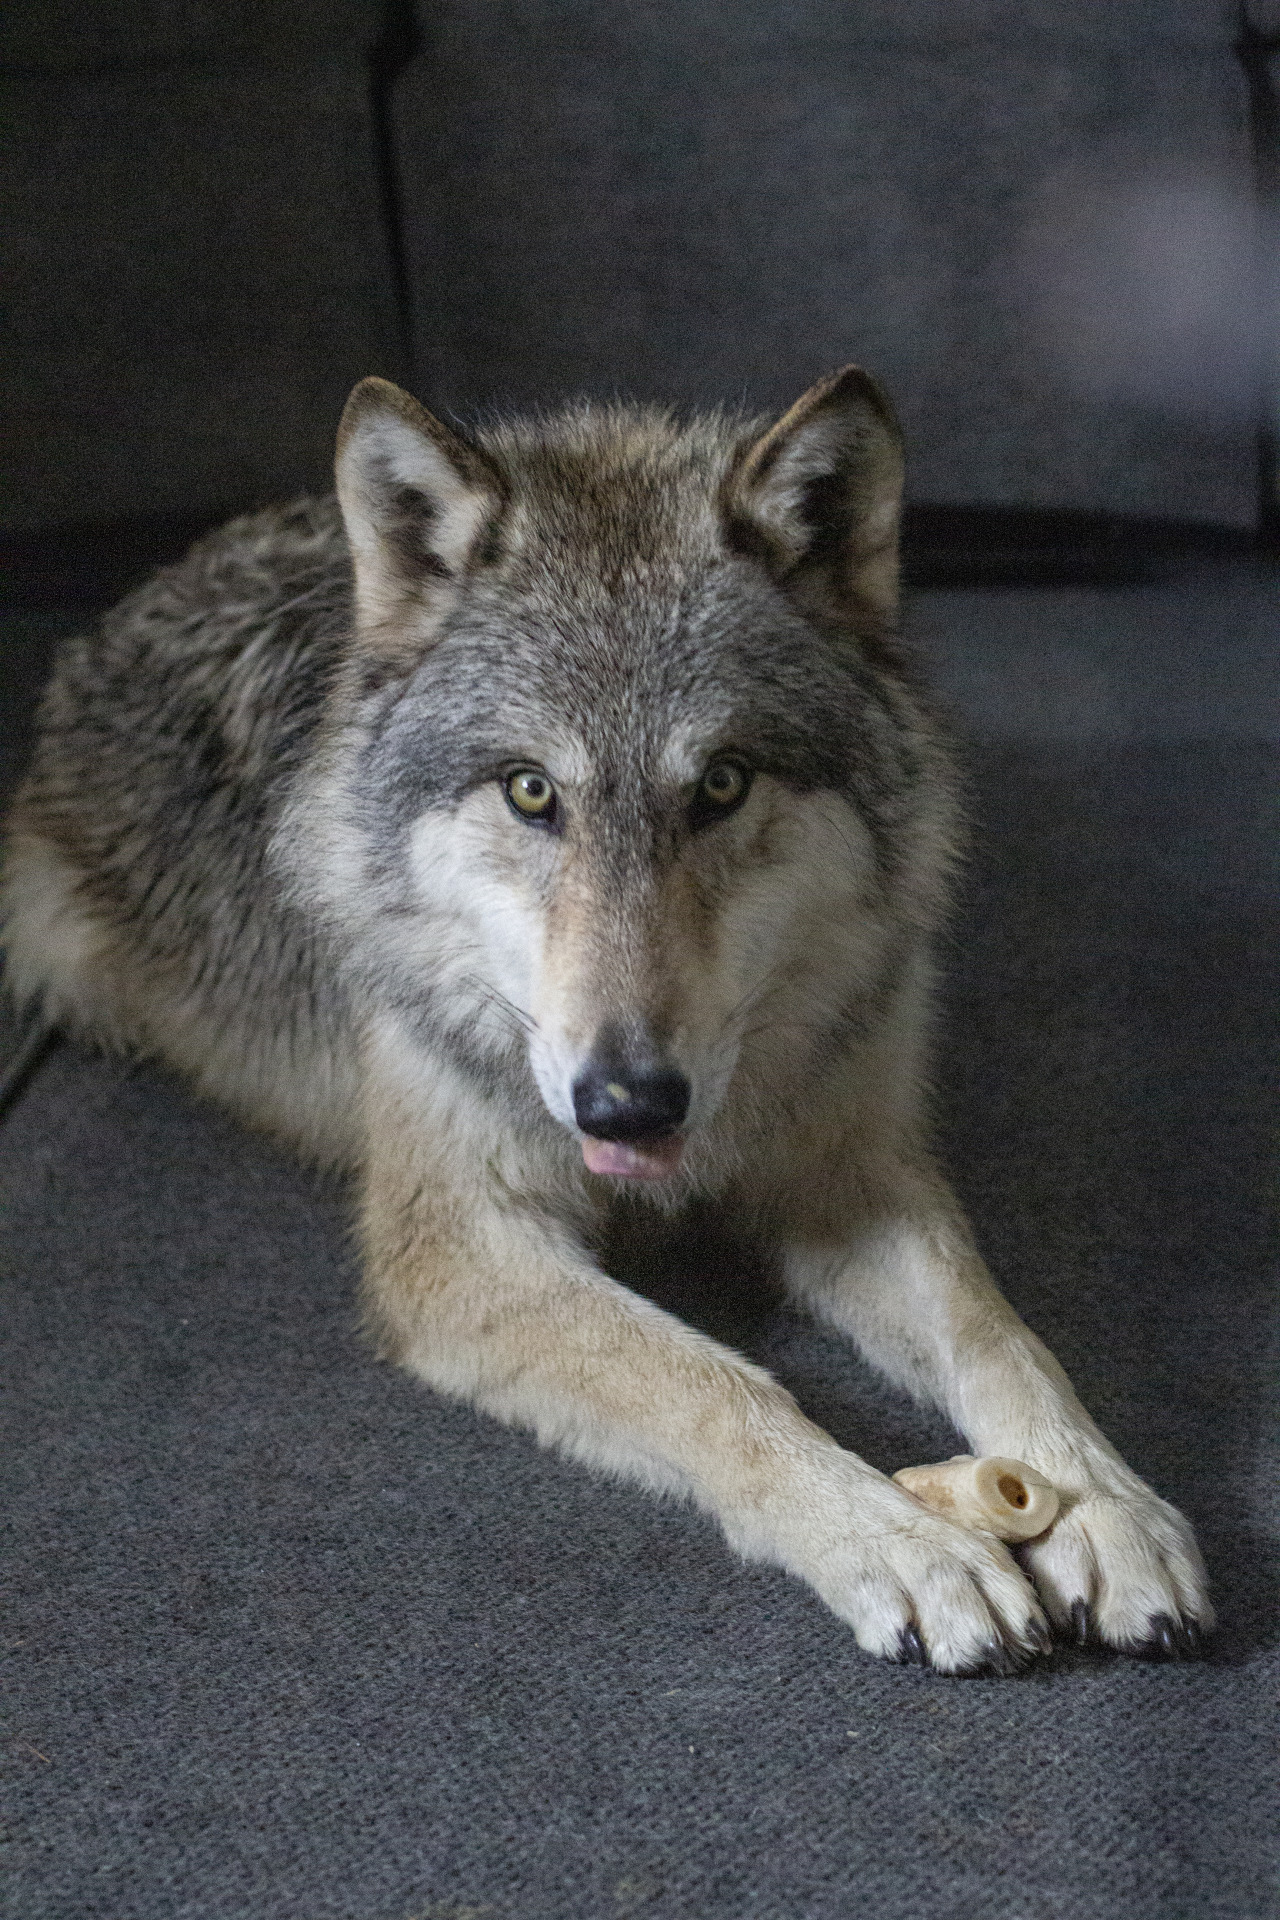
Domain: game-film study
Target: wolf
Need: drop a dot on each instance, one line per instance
(553, 827)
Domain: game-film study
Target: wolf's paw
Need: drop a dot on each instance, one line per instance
(928, 1594)
(1122, 1569)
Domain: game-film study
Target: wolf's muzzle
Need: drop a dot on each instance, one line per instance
(612, 1102)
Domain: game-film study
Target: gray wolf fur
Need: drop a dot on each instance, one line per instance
(553, 826)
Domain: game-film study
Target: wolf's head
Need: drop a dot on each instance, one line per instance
(645, 799)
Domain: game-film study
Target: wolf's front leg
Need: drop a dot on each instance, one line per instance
(483, 1292)
(901, 1276)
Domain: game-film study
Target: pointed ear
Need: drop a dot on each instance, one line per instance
(417, 501)
(819, 499)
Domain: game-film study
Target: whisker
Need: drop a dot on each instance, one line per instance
(498, 1000)
(746, 1005)
(790, 1026)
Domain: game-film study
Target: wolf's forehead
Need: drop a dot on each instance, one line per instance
(663, 674)
(609, 530)
(609, 490)
(635, 730)
(606, 740)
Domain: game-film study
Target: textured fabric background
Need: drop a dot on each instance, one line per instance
(287, 1635)
(703, 201)
(1035, 222)
(194, 262)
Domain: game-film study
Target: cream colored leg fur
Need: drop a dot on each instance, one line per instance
(477, 1286)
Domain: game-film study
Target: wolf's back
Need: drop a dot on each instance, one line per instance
(138, 903)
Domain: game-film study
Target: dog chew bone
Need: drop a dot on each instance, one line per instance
(1000, 1496)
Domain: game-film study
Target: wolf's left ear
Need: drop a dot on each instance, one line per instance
(416, 501)
(819, 498)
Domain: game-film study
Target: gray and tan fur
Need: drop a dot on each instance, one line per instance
(560, 775)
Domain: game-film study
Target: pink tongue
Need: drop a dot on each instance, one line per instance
(653, 1161)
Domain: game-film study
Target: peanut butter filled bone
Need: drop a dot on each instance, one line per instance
(1000, 1496)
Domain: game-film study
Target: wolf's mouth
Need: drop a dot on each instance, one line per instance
(634, 1159)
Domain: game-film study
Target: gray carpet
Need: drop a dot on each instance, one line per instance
(287, 1636)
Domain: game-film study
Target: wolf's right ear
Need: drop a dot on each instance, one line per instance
(818, 499)
(416, 500)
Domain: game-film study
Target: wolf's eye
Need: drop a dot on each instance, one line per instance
(723, 786)
(531, 795)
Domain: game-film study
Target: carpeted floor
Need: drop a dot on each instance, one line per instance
(288, 1637)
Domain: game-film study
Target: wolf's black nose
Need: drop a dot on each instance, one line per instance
(629, 1103)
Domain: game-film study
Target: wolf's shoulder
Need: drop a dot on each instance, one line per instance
(238, 641)
(277, 577)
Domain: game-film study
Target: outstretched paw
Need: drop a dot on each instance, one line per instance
(928, 1594)
(1122, 1570)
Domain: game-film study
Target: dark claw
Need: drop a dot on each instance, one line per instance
(1040, 1637)
(911, 1649)
(1081, 1625)
(1164, 1639)
(1171, 1639)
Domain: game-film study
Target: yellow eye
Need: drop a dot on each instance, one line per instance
(531, 794)
(725, 783)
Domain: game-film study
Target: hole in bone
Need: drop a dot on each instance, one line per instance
(1012, 1490)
